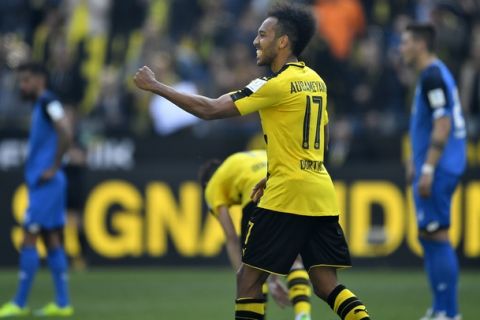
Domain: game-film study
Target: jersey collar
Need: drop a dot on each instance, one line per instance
(299, 64)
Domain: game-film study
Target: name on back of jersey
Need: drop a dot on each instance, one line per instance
(308, 86)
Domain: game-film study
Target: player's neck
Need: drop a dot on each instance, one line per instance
(280, 61)
(425, 60)
(40, 92)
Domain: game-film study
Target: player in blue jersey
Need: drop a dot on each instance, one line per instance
(49, 138)
(437, 133)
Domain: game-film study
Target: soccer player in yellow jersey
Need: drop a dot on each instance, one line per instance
(297, 213)
(230, 183)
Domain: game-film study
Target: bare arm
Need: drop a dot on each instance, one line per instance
(65, 138)
(233, 242)
(257, 191)
(64, 133)
(278, 291)
(200, 106)
(441, 130)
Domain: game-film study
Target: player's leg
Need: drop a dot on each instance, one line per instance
(440, 260)
(58, 265)
(343, 301)
(250, 303)
(75, 241)
(299, 291)
(247, 214)
(29, 263)
(265, 297)
(423, 209)
(441, 265)
(265, 252)
(326, 251)
(54, 204)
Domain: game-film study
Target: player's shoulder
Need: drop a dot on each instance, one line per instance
(230, 164)
(48, 97)
(48, 100)
(432, 71)
(257, 84)
(433, 75)
(288, 71)
(294, 68)
(300, 74)
(235, 158)
(51, 106)
(253, 155)
(240, 159)
(226, 171)
(258, 153)
(314, 73)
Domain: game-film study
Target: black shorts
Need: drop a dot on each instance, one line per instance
(274, 239)
(247, 214)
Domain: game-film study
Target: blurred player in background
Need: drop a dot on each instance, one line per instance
(50, 137)
(75, 169)
(231, 183)
(297, 213)
(437, 133)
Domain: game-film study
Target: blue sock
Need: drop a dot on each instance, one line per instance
(57, 262)
(29, 263)
(427, 260)
(441, 265)
(452, 292)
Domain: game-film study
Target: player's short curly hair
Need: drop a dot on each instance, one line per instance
(295, 21)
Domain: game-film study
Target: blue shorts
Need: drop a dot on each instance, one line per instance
(46, 209)
(433, 213)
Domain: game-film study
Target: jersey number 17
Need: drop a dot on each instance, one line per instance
(315, 100)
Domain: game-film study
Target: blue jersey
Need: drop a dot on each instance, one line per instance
(42, 144)
(436, 96)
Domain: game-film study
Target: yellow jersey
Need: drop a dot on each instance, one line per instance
(293, 110)
(233, 181)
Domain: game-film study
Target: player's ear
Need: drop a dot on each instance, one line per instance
(283, 41)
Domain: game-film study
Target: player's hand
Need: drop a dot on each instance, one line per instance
(409, 172)
(257, 191)
(48, 174)
(425, 185)
(145, 78)
(278, 291)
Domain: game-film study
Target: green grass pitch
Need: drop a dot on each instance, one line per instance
(203, 293)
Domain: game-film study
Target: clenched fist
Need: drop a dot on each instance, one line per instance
(145, 78)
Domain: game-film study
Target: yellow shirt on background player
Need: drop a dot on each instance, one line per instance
(232, 182)
(293, 111)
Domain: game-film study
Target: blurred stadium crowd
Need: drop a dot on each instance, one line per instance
(92, 48)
